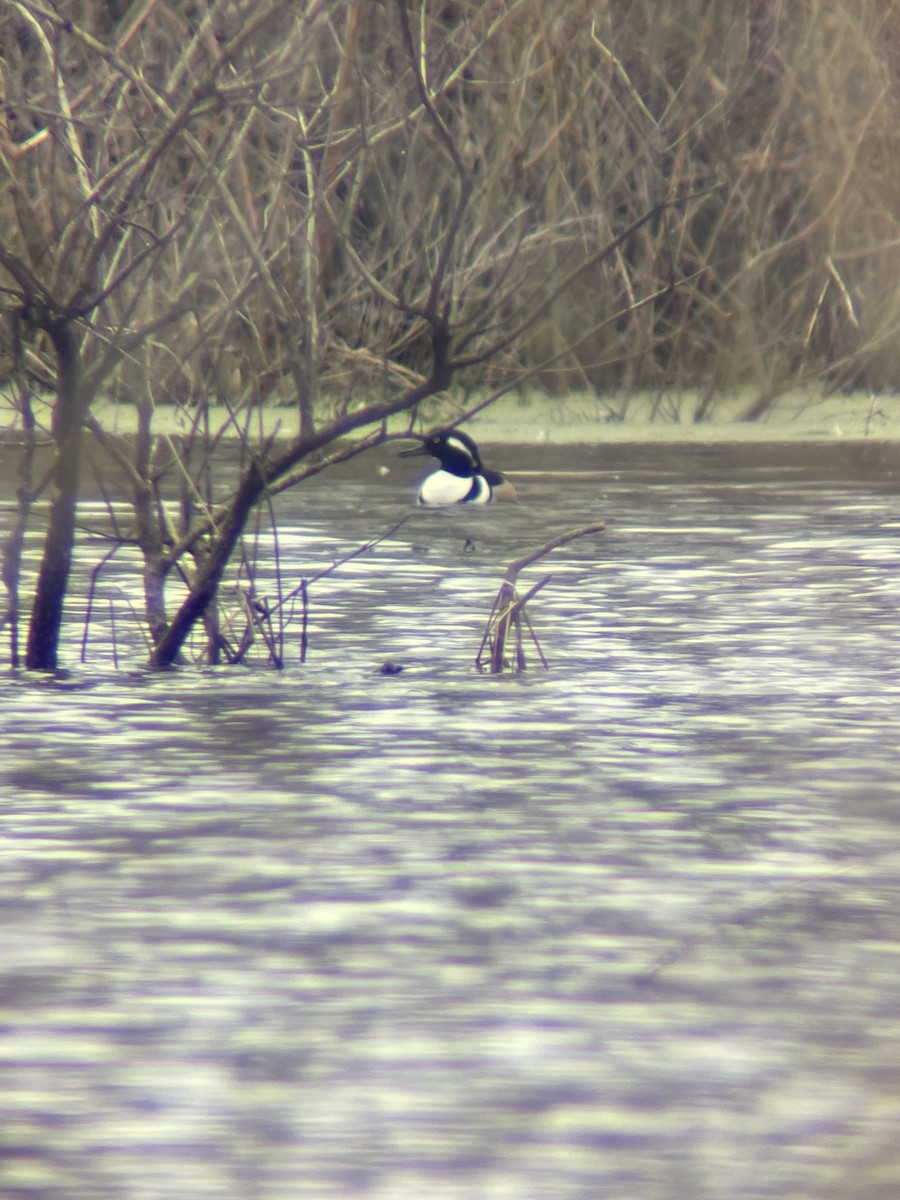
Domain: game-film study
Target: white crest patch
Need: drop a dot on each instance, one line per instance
(459, 447)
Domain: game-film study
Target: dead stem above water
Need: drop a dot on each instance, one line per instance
(508, 609)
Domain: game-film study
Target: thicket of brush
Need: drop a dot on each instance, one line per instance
(781, 118)
(348, 206)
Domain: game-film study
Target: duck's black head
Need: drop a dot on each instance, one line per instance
(456, 451)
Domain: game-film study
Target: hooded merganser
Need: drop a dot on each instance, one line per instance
(462, 478)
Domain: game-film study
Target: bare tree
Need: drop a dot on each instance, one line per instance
(269, 204)
(93, 227)
(335, 209)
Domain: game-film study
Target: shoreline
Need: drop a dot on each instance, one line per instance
(588, 420)
(585, 420)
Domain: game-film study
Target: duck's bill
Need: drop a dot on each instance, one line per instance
(412, 453)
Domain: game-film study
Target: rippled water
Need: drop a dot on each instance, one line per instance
(627, 929)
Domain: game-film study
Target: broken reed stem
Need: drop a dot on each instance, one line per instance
(508, 610)
(520, 617)
(511, 615)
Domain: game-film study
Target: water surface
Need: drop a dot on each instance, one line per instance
(628, 928)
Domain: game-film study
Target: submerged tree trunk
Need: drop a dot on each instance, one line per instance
(205, 586)
(15, 542)
(56, 560)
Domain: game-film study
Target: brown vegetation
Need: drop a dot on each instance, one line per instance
(508, 619)
(345, 206)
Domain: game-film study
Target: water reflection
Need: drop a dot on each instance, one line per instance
(625, 928)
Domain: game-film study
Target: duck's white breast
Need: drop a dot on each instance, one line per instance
(442, 488)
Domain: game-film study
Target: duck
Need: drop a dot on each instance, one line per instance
(462, 477)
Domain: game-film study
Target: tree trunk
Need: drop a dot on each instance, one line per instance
(205, 586)
(56, 561)
(15, 540)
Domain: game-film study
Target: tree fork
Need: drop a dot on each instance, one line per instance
(205, 586)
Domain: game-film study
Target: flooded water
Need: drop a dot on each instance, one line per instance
(625, 929)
